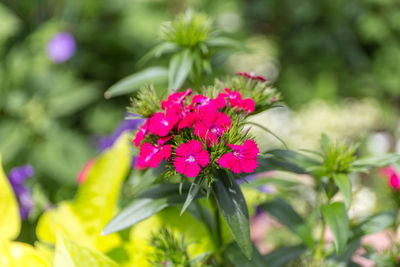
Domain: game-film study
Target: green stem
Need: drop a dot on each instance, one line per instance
(319, 253)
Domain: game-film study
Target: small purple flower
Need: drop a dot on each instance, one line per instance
(126, 125)
(17, 177)
(61, 47)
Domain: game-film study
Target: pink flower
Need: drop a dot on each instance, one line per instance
(235, 100)
(161, 124)
(151, 155)
(211, 124)
(189, 157)
(177, 98)
(242, 159)
(140, 135)
(251, 76)
(200, 102)
(391, 173)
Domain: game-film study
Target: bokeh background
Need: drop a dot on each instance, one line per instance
(336, 63)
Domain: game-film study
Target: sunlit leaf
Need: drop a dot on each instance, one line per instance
(16, 254)
(224, 42)
(9, 220)
(83, 218)
(133, 82)
(71, 254)
(377, 161)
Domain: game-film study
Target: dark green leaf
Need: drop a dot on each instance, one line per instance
(194, 189)
(233, 207)
(280, 209)
(348, 252)
(149, 203)
(281, 256)
(269, 164)
(239, 260)
(135, 81)
(336, 218)
(179, 69)
(279, 182)
(344, 184)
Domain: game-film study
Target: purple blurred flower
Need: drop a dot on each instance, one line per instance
(61, 47)
(126, 125)
(17, 177)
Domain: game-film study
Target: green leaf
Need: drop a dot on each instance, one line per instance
(377, 161)
(336, 218)
(224, 42)
(280, 209)
(239, 260)
(158, 51)
(10, 222)
(133, 82)
(375, 223)
(194, 189)
(149, 203)
(344, 184)
(233, 207)
(179, 69)
(70, 254)
(281, 256)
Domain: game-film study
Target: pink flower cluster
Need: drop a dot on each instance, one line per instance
(203, 118)
(393, 176)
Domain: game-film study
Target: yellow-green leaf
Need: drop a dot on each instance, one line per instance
(83, 218)
(9, 220)
(16, 254)
(70, 254)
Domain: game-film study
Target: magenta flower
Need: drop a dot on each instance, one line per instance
(141, 134)
(242, 159)
(161, 124)
(251, 76)
(200, 102)
(61, 47)
(189, 157)
(175, 99)
(151, 155)
(236, 101)
(211, 124)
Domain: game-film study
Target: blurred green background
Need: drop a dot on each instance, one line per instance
(337, 64)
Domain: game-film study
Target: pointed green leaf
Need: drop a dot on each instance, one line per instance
(133, 82)
(10, 222)
(280, 209)
(194, 189)
(179, 69)
(149, 203)
(375, 223)
(158, 51)
(336, 218)
(232, 205)
(344, 184)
